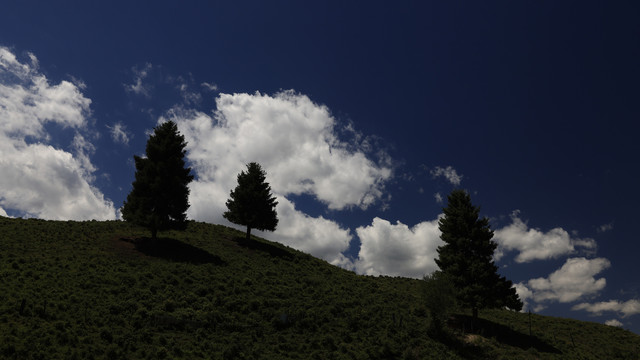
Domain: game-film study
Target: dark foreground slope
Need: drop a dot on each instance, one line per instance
(102, 290)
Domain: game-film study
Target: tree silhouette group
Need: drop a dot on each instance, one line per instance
(160, 198)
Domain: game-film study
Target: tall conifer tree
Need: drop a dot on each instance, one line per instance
(251, 202)
(467, 257)
(160, 195)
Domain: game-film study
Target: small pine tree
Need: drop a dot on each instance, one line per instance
(251, 203)
(160, 195)
(467, 258)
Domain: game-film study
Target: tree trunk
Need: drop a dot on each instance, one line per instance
(248, 233)
(154, 233)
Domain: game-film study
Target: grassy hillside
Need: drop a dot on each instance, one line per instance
(101, 290)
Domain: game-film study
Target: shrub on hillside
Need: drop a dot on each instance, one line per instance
(440, 299)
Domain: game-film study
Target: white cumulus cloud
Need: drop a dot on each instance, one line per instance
(627, 308)
(573, 281)
(524, 293)
(37, 179)
(314, 235)
(28, 101)
(397, 249)
(295, 140)
(533, 244)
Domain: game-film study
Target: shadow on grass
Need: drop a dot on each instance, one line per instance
(175, 250)
(270, 249)
(502, 334)
(464, 349)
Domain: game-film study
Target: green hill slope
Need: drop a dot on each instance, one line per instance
(100, 290)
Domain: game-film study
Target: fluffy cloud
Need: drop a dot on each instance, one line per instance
(48, 183)
(397, 249)
(314, 235)
(296, 142)
(627, 308)
(27, 101)
(613, 322)
(574, 280)
(533, 244)
(38, 179)
(449, 173)
(524, 293)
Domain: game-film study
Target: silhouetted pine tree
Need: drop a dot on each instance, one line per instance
(251, 203)
(160, 195)
(467, 258)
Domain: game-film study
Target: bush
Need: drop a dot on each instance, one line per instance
(440, 299)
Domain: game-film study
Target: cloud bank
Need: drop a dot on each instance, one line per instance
(625, 309)
(38, 179)
(572, 282)
(296, 141)
(533, 244)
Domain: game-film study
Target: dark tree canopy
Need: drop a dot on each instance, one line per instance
(160, 195)
(251, 203)
(467, 257)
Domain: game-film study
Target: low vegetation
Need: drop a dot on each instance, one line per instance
(99, 290)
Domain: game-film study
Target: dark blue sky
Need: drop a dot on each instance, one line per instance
(533, 104)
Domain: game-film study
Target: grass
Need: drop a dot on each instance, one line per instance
(104, 290)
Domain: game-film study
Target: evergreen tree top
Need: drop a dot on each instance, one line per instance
(463, 230)
(251, 203)
(467, 256)
(166, 141)
(159, 198)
